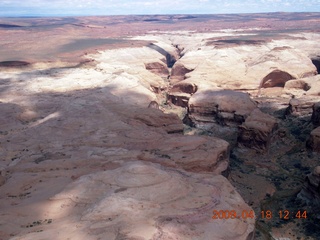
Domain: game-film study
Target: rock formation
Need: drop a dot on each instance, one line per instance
(300, 106)
(224, 107)
(311, 188)
(314, 140)
(141, 201)
(180, 93)
(276, 78)
(192, 153)
(67, 126)
(256, 131)
(94, 149)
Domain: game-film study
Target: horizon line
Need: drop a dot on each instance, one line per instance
(151, 14)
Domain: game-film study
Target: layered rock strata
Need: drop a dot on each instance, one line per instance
(224, 107)
(300, 107)
(256, 131)
(66, 137)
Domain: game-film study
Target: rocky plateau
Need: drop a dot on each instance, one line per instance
(147, 133)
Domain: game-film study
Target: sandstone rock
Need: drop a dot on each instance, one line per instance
(152, 117)
(179, 99)
(276, 78)
(297, 84)
(153, 104)
(170, 52)
(224, 107)
(245, 67)
(143, 201)
(314, 140)
(192, 153)
(184, 87)
(315, 118)
(179, 71)
(158, 68)
(310, 192)
(181, 92)
(300, 106)
(256, 131)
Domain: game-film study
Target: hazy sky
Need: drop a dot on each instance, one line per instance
(119, 7)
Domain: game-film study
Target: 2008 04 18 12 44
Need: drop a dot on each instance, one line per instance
(265, 214)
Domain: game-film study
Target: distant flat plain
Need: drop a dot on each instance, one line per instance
(66, 39)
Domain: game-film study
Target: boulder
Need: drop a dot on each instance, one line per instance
(315, 118)
(257, 130)
(314, 140)
(310, 192)
(276, 78)
(298, 84)
(184, 87)
(224, 107)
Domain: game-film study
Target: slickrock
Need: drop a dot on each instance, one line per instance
(257, 130)
(61, 124)
(224, 107)
(314, 140)
(136, 201)
(310, 192)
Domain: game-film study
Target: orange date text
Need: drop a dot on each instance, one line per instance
(233, 214)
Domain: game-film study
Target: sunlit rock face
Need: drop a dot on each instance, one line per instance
(224, 107)
(191, 153)
(145, 201)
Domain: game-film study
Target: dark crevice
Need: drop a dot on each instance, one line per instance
(170, 59)
(316, 62)
(14, 64)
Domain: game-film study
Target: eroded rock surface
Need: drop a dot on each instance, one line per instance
(64, 126)
(300, 106)
(137, 201)
(257, 130)
(224, 107)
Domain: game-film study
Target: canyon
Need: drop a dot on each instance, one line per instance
(147, 129)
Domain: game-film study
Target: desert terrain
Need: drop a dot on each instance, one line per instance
(160, 127)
